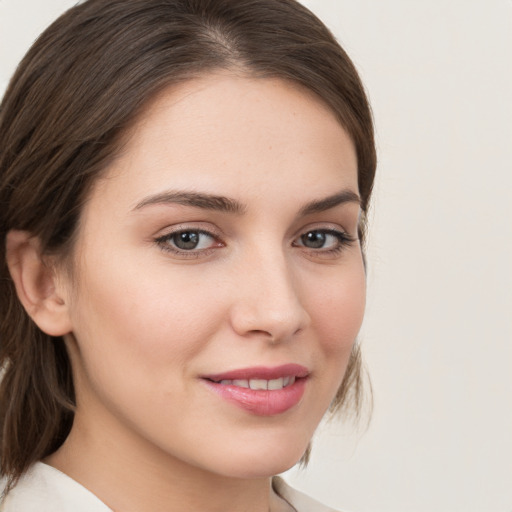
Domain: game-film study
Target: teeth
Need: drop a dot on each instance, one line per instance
(273, 384)
(276, 383)
(258, 384)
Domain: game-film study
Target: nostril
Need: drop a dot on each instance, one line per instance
(263, 334)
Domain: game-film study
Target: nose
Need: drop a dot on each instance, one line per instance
(267, 300)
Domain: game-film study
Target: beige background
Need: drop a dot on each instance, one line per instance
(438, 333)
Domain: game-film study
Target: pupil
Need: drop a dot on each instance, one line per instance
(186, 240)
(314, 239)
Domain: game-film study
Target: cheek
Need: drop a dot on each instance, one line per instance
(337, 311)
(142, 323)
(137, 338)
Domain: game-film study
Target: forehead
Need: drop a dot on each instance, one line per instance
(235, 135)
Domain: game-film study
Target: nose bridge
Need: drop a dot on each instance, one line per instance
(268, 297)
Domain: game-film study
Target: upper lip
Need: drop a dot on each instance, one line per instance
(261, 372)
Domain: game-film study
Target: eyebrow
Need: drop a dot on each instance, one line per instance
(322, 205)
(196, 199)
(229, 205)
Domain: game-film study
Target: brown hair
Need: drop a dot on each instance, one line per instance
(76, 92)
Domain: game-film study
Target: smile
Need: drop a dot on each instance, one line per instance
(273, 384)
(261, 391)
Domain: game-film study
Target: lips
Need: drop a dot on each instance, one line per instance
(262, 391)
(272, 384)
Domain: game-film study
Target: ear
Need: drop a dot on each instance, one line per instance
(37, 284)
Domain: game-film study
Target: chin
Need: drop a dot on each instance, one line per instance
(273, 468)
(264, 461)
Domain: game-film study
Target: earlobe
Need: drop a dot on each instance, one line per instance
(37, 284)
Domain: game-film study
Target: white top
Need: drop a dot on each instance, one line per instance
(46, 489)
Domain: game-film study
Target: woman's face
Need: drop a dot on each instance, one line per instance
(217, 255)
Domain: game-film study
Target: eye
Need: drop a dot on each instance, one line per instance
(318, 239)
(324, 240)
(189, 241)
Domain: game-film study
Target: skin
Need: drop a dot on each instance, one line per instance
(144, 323)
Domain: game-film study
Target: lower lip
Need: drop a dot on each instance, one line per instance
(261, 402)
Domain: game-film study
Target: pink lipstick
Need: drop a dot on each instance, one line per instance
(261, 390)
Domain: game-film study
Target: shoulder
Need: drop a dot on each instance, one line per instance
(45, 489)
(298, 500)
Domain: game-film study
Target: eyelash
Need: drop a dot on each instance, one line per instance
(344, 240)
(165, 243)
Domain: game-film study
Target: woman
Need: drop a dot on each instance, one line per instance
(184, 186)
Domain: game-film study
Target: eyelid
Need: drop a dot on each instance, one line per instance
(166, 234)
(345, 240)
(326, 227)
(200, 226)
(343, 236)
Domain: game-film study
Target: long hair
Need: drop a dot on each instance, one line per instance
(77, 91)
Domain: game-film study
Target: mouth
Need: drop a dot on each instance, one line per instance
(272, 385)
(261, 391)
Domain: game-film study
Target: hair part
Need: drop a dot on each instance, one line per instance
(75, 94)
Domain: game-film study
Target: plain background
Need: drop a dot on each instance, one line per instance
(438, 333)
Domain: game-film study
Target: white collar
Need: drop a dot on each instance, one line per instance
(46, 489)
